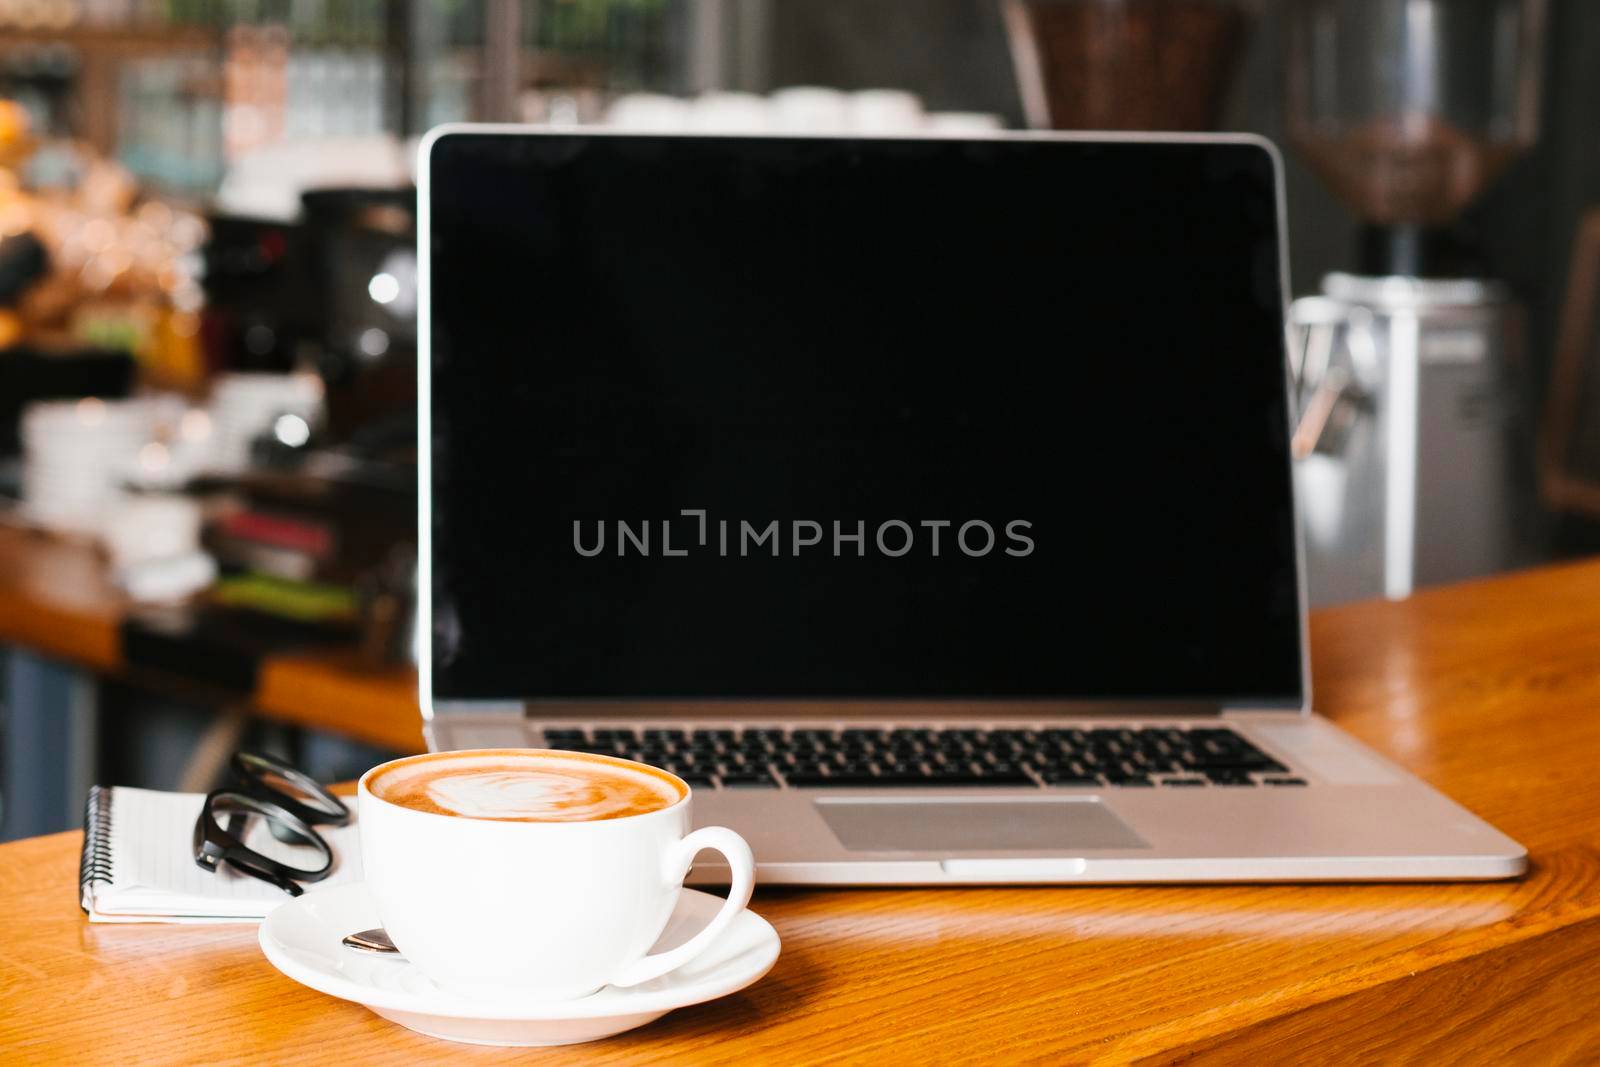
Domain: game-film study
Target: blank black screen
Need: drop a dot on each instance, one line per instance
(1085, 338)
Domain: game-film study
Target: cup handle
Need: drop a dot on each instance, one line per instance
(743, 867)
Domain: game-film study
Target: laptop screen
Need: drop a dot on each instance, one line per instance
(815, 419)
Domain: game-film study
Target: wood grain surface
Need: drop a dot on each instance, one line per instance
(56, 599)
(335, 691)
(1490, 691)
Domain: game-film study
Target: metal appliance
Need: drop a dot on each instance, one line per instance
(1404, 368)
(1126, 64)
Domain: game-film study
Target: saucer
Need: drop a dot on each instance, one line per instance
(301, 938)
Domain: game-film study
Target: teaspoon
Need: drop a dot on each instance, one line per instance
(375, 941)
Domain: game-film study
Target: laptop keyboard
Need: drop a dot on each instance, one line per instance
(769, 757)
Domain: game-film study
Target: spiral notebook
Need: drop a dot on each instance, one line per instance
(138, 862)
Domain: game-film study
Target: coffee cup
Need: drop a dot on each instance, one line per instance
(534, 874)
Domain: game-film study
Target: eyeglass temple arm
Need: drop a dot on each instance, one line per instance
(288, 885)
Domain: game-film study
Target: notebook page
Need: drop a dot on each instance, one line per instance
(155, 875)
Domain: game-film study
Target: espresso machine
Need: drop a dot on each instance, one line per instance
(1408, 466)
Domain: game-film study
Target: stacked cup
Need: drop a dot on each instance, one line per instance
(799, 109)
(76, 456)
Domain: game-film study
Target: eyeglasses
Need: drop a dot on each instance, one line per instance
(290, 802)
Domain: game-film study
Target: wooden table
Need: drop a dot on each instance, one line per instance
(1488, 690)
(56, 598)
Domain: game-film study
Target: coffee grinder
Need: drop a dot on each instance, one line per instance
(1407, 465)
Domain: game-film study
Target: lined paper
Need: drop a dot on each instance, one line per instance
(155, 878)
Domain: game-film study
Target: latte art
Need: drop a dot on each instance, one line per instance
(534, 794)
(527, 786)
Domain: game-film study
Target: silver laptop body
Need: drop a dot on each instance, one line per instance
(1011, 793)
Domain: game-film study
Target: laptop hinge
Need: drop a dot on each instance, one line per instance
(786, 710)
(665, 710)
(479, 707)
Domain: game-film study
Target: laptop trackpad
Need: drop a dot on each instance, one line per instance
(911, 824)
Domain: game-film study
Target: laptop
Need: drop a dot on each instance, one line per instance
(925, 503)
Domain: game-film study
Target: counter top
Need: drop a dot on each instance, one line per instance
(56, 598)
(1489, 690)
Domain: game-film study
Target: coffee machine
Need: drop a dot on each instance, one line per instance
(1126, 64)
(1407, 463)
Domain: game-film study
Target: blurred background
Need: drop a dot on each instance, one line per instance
(208, 304)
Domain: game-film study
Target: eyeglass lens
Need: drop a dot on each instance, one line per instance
(292, 784)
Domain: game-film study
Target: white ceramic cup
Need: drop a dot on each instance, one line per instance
(497, 909)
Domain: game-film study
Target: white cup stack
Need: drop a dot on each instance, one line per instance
(881, 111)
(727, 112)
(77, 454)
(797, 109)
(962, 123)
(153, 540)
(810, 109)
(245, 406)
(648, 113)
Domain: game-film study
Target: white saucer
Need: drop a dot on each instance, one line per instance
(302, 939)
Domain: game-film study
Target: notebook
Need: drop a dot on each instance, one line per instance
(138, 862)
